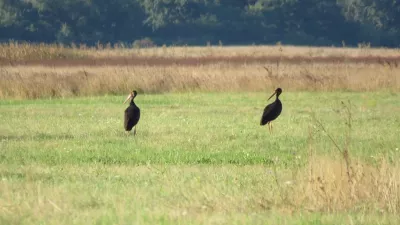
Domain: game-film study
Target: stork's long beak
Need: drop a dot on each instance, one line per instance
(128, 98)
(272, 95)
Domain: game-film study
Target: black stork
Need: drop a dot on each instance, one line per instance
(272, 111)
(132, 114)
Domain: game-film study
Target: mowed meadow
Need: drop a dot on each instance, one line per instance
(200, 155)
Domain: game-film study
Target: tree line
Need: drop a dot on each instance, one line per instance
(197, 22)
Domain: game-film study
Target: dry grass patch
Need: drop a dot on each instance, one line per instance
(13, 52)
(35, 71)
(39, 81)
(323, 186)
(200, 61)
(119, 50)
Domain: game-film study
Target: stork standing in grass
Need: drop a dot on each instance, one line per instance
(132, 114)
(272, 111)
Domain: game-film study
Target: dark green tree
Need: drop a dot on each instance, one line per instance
(304, 22)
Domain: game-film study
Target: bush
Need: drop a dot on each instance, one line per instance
(144, 43)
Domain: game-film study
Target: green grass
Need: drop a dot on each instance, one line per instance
(197, 157)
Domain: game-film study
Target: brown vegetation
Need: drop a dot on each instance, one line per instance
(325, 187)
(34, 71)
(340, 184)
(39, 81)
(331, 185)
(197, 61)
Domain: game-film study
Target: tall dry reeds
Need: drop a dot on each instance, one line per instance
(325, 187)
(34, 71)
(39, 81)
(26, 52)
(14, 53)
(341, 183)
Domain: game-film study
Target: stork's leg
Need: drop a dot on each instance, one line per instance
(134, 131)
(127, 133)
(269, 127)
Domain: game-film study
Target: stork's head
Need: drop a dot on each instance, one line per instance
(131, 96)
(277, 92)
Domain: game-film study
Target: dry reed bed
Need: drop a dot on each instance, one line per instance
(15, 52)
(250, 51)
(34, 71)
(343, 183)
(325, 187)
(198, 61)
(44, 81)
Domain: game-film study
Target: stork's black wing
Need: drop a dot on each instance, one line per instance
(265, 115)
(131, 117)
(271, 112)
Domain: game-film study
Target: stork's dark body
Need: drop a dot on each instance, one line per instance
(132, 116)
(271, 112)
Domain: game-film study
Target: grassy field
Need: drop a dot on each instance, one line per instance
(200, 155)
(201, 158)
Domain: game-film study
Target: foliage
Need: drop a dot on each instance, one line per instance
(316, 22)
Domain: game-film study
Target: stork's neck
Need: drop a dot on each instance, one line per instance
(132, 102)
(277, 100)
